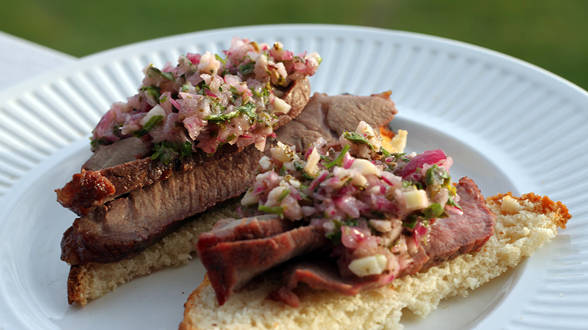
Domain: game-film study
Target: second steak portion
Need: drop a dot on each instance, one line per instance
(233, 259)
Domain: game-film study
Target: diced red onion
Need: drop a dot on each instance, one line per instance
(427, 157)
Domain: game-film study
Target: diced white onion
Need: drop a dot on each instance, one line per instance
(366, 266)
(416, 200)
(155, 111)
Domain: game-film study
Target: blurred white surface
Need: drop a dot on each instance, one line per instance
(21, 59)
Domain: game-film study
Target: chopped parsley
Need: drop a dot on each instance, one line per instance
(339, 160)
(283, 195)
(218, 57)
(271, 209)
(167, 151)
(153, 71)
(335, 236)
(152, 122)
(246, 109)
(435, 210)
(452, 202)
(410, 221)
(437, 175)
(152, 92)
(358, 138)
(247, 68)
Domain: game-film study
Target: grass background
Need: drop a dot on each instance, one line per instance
(552, 34)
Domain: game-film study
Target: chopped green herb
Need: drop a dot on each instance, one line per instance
(335, 236)
(246, 109)
(186, 149)
(339, 160)
(384, 152)
(94, 143)
(152, 92)
(452, 202)
(400, 156)
(283, 195)
(283, 170)
(436, 175)
(435, 210)
(153, 71)
(410, 183)
(298, 166)
(410, 221)
(247, 68)
(271, 209)
(223, 117)
(307, 176)
(351, 222)
(187, 87)
(249, 110)
(357, 138)
(117, 130)
(167, 151)
(149, 125)
(222, 60)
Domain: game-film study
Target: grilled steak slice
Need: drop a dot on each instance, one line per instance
(329, 116)
(120, 152)
(460, 234)
(122, 173)
(449, 238)
(231, 264)
(128, 224)
(230, 230)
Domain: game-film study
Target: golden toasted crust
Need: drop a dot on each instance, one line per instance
(523, 224)
(76, 282)
(191, 304)
(543, 204)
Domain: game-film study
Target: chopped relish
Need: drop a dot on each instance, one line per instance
(209, 99)
(370, 203)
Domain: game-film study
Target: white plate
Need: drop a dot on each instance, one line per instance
(508, 124)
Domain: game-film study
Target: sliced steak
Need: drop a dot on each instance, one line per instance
(120, 152)
(449, 238)
(460, 234)
(81, 194)
(230, 230)
(232, 263)
(129, 224)
(329, 116)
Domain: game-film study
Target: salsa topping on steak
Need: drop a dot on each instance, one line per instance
(207, 100)
(374, 209)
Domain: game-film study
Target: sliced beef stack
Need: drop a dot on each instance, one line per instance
(126, 204)
(233, 258)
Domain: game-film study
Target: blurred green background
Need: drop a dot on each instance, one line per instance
(549, 33)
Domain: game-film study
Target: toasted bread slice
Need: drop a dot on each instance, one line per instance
(93, 280)
(523, 224)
